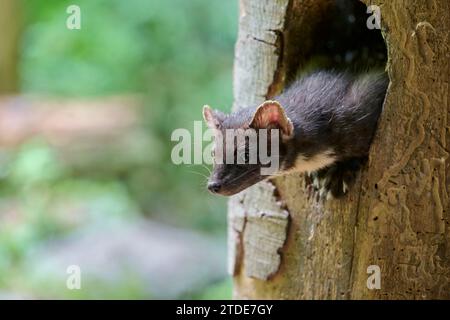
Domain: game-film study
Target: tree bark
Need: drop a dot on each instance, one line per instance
(9, 35)
(284, 245)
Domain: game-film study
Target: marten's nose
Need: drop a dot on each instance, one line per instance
(214, 187)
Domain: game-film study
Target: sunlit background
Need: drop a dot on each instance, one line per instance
(86, 177)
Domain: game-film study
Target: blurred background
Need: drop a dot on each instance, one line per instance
(86, 177)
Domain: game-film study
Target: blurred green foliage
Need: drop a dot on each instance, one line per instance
(129, 46)
(178, 55)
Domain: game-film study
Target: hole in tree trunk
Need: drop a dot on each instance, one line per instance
(342, 40)
(344, 36)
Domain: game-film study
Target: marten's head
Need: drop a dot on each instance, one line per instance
(249, 145)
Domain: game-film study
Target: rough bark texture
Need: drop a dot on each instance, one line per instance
(9, 34)
(284, 245)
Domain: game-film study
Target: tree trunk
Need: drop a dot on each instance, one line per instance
(284, 245)
(9, 35)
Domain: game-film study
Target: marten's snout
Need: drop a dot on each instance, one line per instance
(214, 187)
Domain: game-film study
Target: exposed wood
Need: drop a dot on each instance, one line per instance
(259, 224)
(397, 215)
(264, 56)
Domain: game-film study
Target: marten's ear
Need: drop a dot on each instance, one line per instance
(271, 115)
(213, 118)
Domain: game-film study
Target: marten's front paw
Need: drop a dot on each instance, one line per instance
(334, 181)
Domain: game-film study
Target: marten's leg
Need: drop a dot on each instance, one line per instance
(336, 180)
